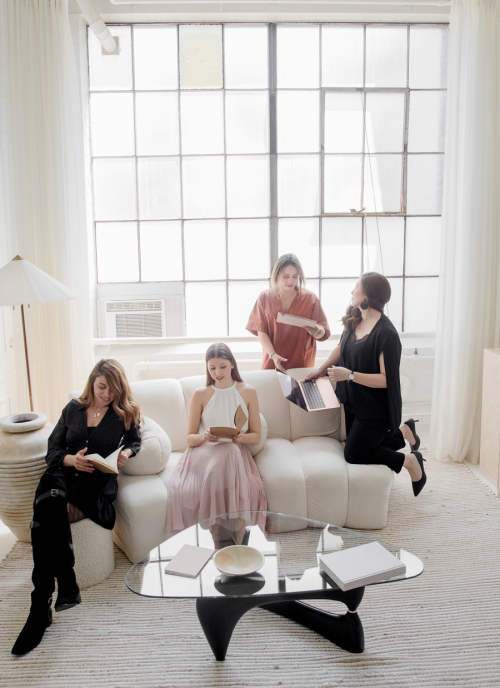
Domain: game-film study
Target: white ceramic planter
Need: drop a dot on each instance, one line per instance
(23, 446)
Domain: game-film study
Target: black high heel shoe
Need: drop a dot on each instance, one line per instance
(418, 485)
(411, 424)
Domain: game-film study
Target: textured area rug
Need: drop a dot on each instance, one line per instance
(441, 629)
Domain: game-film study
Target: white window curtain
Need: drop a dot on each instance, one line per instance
(43, 180)
(469, 300)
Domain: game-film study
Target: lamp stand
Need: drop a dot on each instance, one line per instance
(27, 360)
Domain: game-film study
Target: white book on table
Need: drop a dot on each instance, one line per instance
(362, 565)
(189, 561)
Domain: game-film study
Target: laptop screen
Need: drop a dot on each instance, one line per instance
(291, 390)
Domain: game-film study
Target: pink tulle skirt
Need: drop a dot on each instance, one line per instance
(210, 480)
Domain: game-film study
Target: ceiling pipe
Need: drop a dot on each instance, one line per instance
(97, 25)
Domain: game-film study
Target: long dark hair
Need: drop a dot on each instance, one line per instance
(221, 350)
(377, 292)
(124, 404)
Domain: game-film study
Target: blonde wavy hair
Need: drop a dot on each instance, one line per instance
(284, 261)
(124, 404)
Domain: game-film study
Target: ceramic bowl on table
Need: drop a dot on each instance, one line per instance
(238, 560)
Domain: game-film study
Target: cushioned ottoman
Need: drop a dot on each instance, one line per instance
(94, 552)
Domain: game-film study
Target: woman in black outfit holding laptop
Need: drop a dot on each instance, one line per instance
(365, 365)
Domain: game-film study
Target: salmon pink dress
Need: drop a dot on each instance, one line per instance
(214, 478)
(293, 343)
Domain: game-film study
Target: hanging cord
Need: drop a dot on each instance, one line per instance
(374, 198)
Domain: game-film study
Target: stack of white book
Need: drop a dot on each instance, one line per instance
(362, 565)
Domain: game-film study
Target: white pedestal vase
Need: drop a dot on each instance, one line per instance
(23, 446)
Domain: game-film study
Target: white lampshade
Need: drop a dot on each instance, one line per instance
(22, 282)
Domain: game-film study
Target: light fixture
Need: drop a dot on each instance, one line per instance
(22, 283)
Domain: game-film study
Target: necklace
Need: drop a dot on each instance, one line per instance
(98, 412)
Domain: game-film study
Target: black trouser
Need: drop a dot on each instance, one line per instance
(370, 442)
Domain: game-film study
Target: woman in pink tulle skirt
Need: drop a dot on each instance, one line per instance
(216, 476)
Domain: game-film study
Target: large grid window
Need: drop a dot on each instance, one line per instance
(216, 148)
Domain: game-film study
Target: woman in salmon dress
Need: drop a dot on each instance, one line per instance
(216, 476)
(288, 346)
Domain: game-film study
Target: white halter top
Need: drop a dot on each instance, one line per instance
(220, 410)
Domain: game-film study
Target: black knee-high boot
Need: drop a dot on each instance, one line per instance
(40, 616)
(52, 508)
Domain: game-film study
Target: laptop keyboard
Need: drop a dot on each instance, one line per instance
(312, 395)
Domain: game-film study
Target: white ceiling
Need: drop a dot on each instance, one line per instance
(267, 11)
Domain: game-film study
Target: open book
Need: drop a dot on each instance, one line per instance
(240, 419)
(107, 465)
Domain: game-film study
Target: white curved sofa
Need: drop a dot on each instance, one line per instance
(302, 464)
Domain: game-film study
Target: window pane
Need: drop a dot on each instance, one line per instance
(205, 249)
(249, 248)
(427, 121)
(111, 72)
(161, 251)
(112, 123)
(157, 123)
(342, 183)
(298, 184)
(342, 52)
(386, 53)
(155, 58)
(298, 121)
(245, 56)
(421, 304)
(206, 310)
(117, 252)
(301, 236)
(298, 56)
(343, 122)
(248, 185)
(115, 194)
(203, 187)
(159, 188)
(423, 245)
(341, 246)
(385, 118)
(202, 123)
(313, 285)
(242, 298)
(201, 56)
(383, 183)
(335, 297)
(384, 254)
(394, 309)
(247, 122)
(428, 56)
(425, 184)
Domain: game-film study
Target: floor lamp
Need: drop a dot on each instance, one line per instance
(22, 283)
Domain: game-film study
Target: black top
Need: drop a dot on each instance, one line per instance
(70, 435)
(362, 356)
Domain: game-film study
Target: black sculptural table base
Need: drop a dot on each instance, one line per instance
(218, 616)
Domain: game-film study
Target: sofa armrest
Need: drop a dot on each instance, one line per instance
(141, 514)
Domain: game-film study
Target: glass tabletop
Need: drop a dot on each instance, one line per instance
(290, 545)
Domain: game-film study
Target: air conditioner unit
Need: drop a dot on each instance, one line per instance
(141, 318)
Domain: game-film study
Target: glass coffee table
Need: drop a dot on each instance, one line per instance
(290, 545)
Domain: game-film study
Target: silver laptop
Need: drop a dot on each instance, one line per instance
(310, 395)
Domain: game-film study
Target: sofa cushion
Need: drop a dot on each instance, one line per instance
(369, 491)
(281, 471)
(326, 478)
(154, 453)
(163, 402)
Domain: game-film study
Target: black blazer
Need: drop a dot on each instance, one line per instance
(93, 492)
(370, 403)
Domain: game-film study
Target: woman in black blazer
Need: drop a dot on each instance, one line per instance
(365, 365)
(104, 418)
